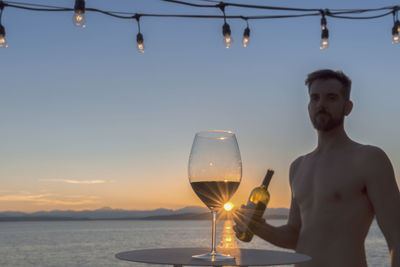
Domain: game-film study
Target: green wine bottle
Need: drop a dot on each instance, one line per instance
(255, 208)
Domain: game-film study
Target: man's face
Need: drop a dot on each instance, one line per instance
(327, 104)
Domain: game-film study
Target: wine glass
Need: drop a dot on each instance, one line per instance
(215, 171)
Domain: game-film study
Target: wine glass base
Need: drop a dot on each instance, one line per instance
(213, 257)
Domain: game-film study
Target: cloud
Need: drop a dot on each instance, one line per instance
(23, 197)
(46, 199)
(69, 181)
(65, 202)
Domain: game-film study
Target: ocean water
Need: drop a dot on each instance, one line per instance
(94, 243)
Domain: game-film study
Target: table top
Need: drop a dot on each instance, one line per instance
(183, 256)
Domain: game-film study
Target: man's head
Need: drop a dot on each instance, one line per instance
(329, 98)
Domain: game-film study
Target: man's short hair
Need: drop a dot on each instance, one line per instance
(326, 74)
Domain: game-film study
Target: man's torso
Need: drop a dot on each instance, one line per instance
(335, 211)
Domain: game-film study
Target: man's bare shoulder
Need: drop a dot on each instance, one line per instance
(373, 150)
(299, 160)
(294, 167)
(372, 161)
(369, 153)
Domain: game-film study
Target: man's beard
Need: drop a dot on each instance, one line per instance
(326, 124)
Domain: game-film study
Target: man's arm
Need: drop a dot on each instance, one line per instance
(384, 195)
(285, 236)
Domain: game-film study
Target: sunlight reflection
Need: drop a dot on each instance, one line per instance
(228, 239)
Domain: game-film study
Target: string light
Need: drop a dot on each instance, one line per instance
(3, 40)
(396, 28)
(226, 29)
(139, 36)
(139, 40)
(226, 32)
(79, 14)
(324, 34)
(80, 9)
(395, 33)
(246, 35)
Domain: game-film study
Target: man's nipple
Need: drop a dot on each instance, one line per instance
(337, 196)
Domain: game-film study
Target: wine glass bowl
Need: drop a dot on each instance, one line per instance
(215, 172)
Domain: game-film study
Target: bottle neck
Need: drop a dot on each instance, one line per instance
(267, 178)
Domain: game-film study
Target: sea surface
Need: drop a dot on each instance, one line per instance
(95, 243)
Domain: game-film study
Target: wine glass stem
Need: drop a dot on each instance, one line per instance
(214, 220)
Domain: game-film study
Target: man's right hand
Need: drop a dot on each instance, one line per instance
(242, 217)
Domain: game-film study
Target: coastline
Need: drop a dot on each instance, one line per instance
(177, 217)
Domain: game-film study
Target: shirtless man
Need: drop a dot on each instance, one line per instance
(338, 188)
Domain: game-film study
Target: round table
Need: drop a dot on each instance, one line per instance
(183, 256)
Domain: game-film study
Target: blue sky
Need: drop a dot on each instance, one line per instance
(82, 105)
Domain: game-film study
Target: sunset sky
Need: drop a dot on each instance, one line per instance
(88, 122)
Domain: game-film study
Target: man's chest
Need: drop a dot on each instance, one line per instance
(327, 180)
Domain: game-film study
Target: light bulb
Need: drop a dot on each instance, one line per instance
(395, 39)
(226, 32)
(324, 34)
(323, 23)
(324, 44)
(245, 41)
(324, 39)
(3, 40)
(228, 42)
(79, 19)
(246, 37)
(79, 16)
(395, 33)
(140, 42)
(140, 48)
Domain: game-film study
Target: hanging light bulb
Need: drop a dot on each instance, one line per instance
(395, 32)
(79, 15)
(139, 36)
(140, 40)
(324, 39)
(3, 40)
(324, 35)
(246, 37)
(323, 23)
(226, 32)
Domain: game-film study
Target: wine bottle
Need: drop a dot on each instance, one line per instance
(255, 208)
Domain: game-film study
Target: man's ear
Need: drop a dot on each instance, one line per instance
(348, 107)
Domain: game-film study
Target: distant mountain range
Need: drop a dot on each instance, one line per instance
(106, 213)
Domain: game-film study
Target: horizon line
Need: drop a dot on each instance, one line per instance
(109, 208)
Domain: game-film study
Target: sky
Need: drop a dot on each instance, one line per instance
(88, 122)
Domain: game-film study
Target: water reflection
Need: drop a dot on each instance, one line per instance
(228, 239)
(228, 244)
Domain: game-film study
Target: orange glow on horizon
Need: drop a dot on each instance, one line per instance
(123, 192)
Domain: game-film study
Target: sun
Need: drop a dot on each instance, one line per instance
(228, 206)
